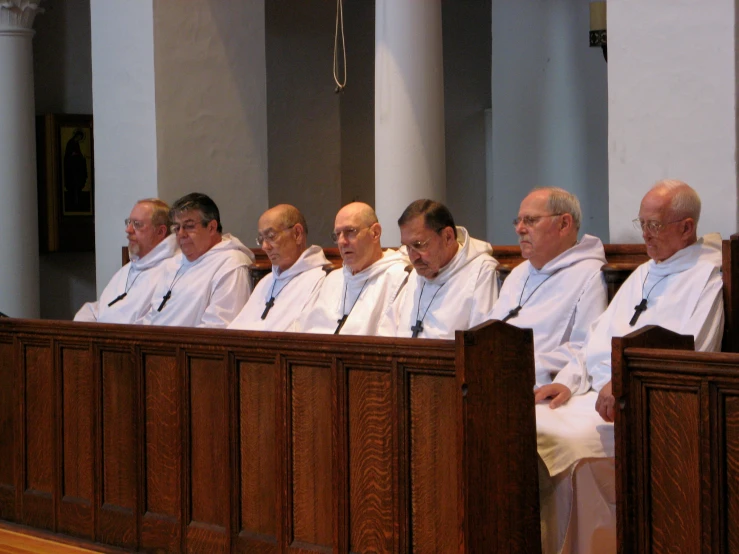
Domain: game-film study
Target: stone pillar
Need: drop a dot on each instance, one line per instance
(672, 110)
(19, 251)
(409, 108)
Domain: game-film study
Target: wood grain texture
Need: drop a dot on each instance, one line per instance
(433, 464)
(258, 462)
(731, 442)
(311, 445)
(370, 462)
(674, 477)
(39, 410)
(118, 430)
(8, 422)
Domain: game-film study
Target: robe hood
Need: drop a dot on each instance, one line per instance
(313, 256)
(165, 249)
(469, 250)
(228, 242)
(706, 249)
(588, 248)
(389, 258)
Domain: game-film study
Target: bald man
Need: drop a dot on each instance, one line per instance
(127, 296)
(354, 300)
(297, 272)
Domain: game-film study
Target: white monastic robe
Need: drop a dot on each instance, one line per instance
(459, 297)
(365, 296)
(558, 302)
(207, 292)
(291, 290)
(137, 279)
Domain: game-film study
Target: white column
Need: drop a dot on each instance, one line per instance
(19, 258)
(672, 93)
(409, 108)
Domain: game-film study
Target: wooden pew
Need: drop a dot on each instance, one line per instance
(677, 445)
(174, 439)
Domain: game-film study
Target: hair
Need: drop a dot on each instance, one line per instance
(561, 201)
(202, 203)
(685, 201)
(291, 216)
(436, 216)
(160, 212)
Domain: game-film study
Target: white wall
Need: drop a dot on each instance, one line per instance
(125, 121)
(549, 111)
(672, 106)
(211, 117)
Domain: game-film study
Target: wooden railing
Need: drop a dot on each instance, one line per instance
(172, 439)
(677, 445)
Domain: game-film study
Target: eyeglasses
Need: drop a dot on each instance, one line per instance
(271, 235)
(188, 226)
(350, 233)
(418, 246)
(136, 223)
(651, 226)
(531, 220)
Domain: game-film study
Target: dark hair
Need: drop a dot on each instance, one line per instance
(436, 216)
(201, 202)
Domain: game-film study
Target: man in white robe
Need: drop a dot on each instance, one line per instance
(559, 290)
(127, 296)
(297, 272)
(207, 283)
(678, 289)
(454, 282)
(353, 301)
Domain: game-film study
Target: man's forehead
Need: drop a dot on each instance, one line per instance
(534, 201)
(188, 215)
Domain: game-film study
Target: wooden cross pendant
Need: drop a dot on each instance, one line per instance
(164, 300)
(341, 323)
(268, 306)
(117, 298)
(513, 313)
(417, 328)
(638, 310)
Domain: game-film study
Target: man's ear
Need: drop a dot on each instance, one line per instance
(689, 227)
(567, 222)
(212, 226)
(449, 234)
(162, 231)
(376, 230)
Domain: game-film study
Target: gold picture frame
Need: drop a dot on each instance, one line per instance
(66, 199)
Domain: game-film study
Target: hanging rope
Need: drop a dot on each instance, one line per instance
(340, 83)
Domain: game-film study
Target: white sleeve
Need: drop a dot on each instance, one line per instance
(88, 312)
(485, 295)
(706, 323)
(228, 297)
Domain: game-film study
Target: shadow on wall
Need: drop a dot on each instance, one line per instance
(67, 281)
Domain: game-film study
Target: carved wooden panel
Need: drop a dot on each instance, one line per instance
(258, 463)
(675, 477)
(433, 464)
(8, 422)
(78, 441)
(117, 520)
(161, 524)
(731, 451)
(371, 462)
(312, 515)
(39, 431)
(208, 526)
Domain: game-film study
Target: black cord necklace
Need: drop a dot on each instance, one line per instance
(514, 312)
(167, 296)
(343, 307)
(642, 306)
(126, 288)
(418, 327)
(271, 302)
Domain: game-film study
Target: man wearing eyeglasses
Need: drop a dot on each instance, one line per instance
(297, 272)
(354, 300)
(127, 296)
(559, 290)
(454, 282)
(678, 289)
(207, 283)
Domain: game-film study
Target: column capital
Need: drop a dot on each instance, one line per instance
(18, 14)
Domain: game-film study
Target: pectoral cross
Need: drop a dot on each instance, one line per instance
(341, 323)
(117, 298)
(639, 309)
(164, 300)
(513, 313)
(268, 306)
(417, 328)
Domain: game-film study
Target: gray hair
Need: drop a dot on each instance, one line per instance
(160, 212)
(685, 201)
(562, 202)
(201, 202)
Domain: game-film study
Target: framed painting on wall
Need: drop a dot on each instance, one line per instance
(66, 199)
